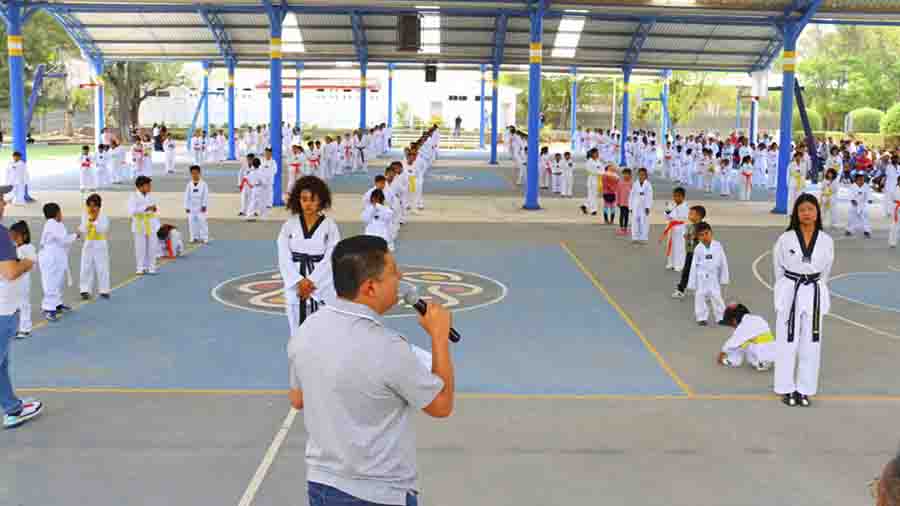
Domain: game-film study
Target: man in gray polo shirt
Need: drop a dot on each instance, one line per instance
(359, 383)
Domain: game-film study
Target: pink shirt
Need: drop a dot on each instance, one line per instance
(623, 192)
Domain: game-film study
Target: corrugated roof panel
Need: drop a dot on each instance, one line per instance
(95, 18)
(331, 48)
(238, 34)
(739, 32)
(609, 26)
(378, 36)
(675, 44)
(372, 20)
(681, 29)
(650, 58)
(518, 24)
(604, 41)
(738, 45)
(460, 22)
(244, 19)
(517, 38)
(448, 38)
(189, 48)
(169, 19)
(131, 48)
(323, 20)
(598, 55)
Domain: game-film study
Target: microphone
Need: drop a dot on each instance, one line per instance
(411, 297)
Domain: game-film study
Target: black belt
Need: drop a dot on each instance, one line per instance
(804, 280)
(307, 265)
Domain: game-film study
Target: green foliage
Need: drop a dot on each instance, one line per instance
(866, 120)
(556, 96)
(401, 115)
(815, 120)
(890, 123)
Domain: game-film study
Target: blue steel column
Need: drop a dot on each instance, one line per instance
(229, 84)
(495, 107)
(626, 120)
(390, 100)
(16, 47)
(275, 99)
(535, 57)
(791, 31)
(99, 114)
(664, 109)
(574, 121)
(481, 105)
(298, 92)
(754, 118)
(363, 67)
(206, 97)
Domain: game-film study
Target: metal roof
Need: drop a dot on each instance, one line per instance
(647, 35)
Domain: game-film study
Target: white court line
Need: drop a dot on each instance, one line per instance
(857, 301)
(895, 269)
(268, 459)
(833, 315)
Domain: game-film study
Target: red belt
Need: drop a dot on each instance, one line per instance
(896, 211)
(245, 182)
(667, 233)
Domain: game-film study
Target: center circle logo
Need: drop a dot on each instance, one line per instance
(263, 292)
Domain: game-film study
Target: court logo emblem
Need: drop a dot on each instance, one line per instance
(263, 292)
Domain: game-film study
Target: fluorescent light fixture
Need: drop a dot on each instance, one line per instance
(343, 64)
(575, 11)
(291, 38)
(431, 33)
(427, 7)
(567, 36)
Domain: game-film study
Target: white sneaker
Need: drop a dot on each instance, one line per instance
(763, 366)
(677, 294)
(30, 409)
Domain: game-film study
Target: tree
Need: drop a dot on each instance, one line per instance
(556, 97)
(687, 91)
(866, 120)
(131, 83)
(890, 123)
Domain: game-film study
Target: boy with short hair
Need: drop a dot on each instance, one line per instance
(196, 201)
(708, 273)
(87, 175)
(640, 202)
(860, 197)
(17, 177)
(95, 251)
(752, 340)
(54, 261)
(696, 214)
(144, 223)
(568, 175)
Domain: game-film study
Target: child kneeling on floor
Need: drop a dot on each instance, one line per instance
(752, 340)
(170, 243)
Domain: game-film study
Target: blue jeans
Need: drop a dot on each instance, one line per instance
(9, 324)
(323, 495)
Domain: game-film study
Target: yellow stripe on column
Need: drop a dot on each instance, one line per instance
(390, 74)
(789, 63)
(626, 88)
(16, 45)
(535, 52)
(275, 48)
(362, 82)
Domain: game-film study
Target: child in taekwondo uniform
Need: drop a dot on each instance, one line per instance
(144, 224)
(95, 251)
(88, 170)
(17, 177)
(21, 235)
(677, 216)
(593, 167)
(894, 223)
(54, 261)
(196, 202)
(752, 340)
(857, 216)
(708, 273)
(640, 202)
(379, 218)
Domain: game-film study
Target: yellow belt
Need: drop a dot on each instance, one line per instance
(93, 235)
(143, 221)
(412, 184)
(760, 339)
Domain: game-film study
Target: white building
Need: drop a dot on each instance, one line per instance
(333, 101)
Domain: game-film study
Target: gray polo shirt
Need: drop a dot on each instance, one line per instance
(361, 383)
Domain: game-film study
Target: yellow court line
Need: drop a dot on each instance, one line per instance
(127, 281)
(462, 396)
(652, 349)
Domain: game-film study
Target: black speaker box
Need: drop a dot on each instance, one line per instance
(409, 33)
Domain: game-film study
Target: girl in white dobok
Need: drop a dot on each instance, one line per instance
(803, 257)
(305, 244)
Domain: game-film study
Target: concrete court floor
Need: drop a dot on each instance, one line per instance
(731, 443)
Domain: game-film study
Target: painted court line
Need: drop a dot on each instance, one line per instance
(857, 301)
(268, 459)
(831, 315)
(652, 349)
(462, 395)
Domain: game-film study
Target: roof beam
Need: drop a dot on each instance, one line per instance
(807, 9)
(220, 34)
(360, 41)
(500, 24)
(80, 35)
(641, 33)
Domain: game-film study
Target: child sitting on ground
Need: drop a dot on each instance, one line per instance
(752, 340)
(170, 243)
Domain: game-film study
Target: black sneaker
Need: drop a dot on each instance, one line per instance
(583, 209)
(789, 400)
(594, 213)
(867, 235)
(63, 308)
(803, 400)
(51, 316)
(723, 323)
(847, 234)
(85, 296)
(703, 323)
(23, 335)
(104, 296)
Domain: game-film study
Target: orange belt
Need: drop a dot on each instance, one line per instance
(896, 211)
(667, 234)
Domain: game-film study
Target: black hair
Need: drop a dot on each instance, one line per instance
(626, 171)
(702, 227)
(85, 148)
(313, 185)
(735, 312)
(51, 210)
(380, 179)
(679, 191)
(699, 210)
(795, 215)
(195, 167)
(141, 181)
(355, 260)
(832, 172)
(21, 228)
(642, 169)
(256, 163)
(377, 195)
(17, 153)
(95, 199)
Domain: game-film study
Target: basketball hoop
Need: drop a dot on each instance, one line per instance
(88, 85)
